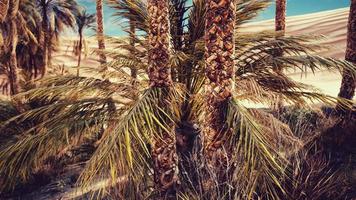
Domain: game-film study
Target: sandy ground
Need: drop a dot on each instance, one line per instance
(331, 24)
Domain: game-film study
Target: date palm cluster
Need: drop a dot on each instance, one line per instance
(166, 113)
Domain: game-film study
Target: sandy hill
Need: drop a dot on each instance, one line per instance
(331, 24)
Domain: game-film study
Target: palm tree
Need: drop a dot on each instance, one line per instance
(348, 83)
(133, 120)
(100, 29)
(13, 40)
(219, 45)
(164, 148)
(21, 39)
(84, 20)
(56, 14)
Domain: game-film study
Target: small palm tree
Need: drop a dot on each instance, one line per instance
(56, 15)
(348, 83)
(84, 21)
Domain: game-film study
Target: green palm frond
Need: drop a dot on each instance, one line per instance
(124, 149)
(257, 155)
(134, 11)
(57, 126)
(196, 21)
(177, 11)
(247, 10)
(84, 20)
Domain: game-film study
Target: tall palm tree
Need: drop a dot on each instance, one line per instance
(84, 20)
(20, 38)
(348, 83)
(164, 148)
(15, 22)
(56, 14)
(100, 29)
(13, 40)
(219, 58)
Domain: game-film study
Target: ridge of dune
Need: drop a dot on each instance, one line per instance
(332, 25)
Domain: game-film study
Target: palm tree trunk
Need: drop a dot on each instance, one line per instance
(164, 148)
(80, 51)
(50, 48)
(280, 25)
(348, 84)
(45, 29)
(280, 15)
(4, 6)
(100, 30)
(13, 37)
(219, 46)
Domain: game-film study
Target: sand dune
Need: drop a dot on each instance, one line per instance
(331, 24)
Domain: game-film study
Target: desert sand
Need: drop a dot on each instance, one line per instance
(331, 24)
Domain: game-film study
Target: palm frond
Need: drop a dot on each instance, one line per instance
(257, 155)
(124, 150)
(134, 11)
(247, 10)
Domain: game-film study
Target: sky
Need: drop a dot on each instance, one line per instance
(294, 7)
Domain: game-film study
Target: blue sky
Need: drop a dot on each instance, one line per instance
(294, 7)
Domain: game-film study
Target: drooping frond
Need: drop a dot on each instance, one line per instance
(247, 10)
(258, 152)
(134, 11)
(196, 22)
(56, 125)
(124, 149)
(177, 18)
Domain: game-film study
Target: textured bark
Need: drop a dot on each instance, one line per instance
(280, 25)
(165, 160)
(13, 37)
(4, 5)
(159, 71)
(80, 51)
(219, 47)
(348, 84)
(165, 163)
(45, 28)
(50, 48)
(100, 29)
(280, 15)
